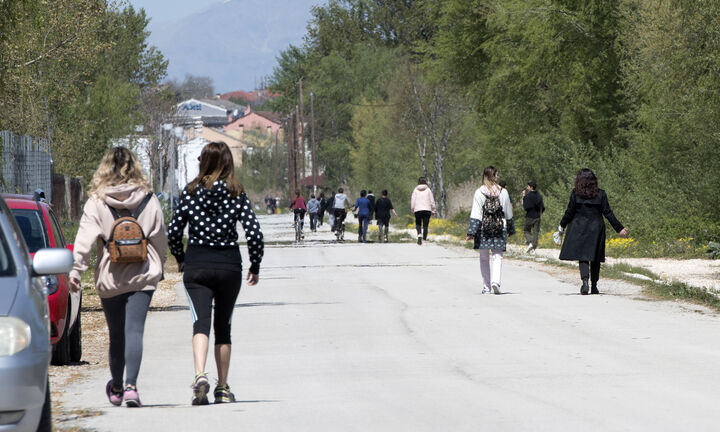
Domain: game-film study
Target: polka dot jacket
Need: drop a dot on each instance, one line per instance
(212, 216)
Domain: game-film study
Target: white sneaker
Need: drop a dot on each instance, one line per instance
(486, 290)
(528, 248)
(496, 288)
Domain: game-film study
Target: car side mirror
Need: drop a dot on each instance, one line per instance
(52, 261)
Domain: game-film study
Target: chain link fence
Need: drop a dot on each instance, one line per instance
(26, 164)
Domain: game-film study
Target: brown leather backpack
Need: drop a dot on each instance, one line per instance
(127, 242)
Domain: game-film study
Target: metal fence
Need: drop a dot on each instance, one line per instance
(26, 164)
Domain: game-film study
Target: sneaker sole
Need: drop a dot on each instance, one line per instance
(133, 403)
(200, 394)
(496, 289)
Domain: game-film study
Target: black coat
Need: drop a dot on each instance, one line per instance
(585, 233)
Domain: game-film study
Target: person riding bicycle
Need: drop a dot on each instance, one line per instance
(298, 207)
(340, 205)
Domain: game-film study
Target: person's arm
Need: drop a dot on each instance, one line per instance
(89, 230)
(392, 208)
(610, 216)
(176, 229)
(157, 235)
(413, 197)
(254, 237)
(475, 215)
(569, 212)
(433, 209)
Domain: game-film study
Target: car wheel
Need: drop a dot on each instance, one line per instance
(61, 350)
(76, 338)
(45, 424)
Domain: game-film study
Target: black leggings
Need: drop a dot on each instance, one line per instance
(202, 286)
(125, 315)
(590, 270)
(422, 217)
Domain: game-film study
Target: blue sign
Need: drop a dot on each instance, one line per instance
(191, 107)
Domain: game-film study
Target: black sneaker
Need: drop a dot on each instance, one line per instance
(223, 394)
(201, 387)
(419, 240)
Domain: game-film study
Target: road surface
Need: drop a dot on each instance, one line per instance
(397, 337)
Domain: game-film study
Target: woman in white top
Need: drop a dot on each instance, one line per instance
(491, 221)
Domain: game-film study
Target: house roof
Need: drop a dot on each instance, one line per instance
(272, 116)
(230, 106)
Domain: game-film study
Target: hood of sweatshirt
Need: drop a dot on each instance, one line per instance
(214, 200)
(126, 196)
(421, 187)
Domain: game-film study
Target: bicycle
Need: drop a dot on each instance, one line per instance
(298, 228)
(339, 229)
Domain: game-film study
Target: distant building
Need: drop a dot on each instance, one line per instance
(262, 120)
(207, 112)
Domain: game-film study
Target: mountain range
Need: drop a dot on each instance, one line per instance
(235, 42)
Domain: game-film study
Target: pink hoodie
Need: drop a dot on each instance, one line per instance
(422, 199)
(112, 279)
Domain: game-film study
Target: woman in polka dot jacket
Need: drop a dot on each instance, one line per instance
(212, 205)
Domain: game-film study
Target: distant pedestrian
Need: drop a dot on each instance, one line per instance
(371, 198)
(120, 189)
(534, 207)
(323, 207)
(422, 204)
(297, 205)
(212, 205)
(383, 207)
(491, 222)
(313, 206)
(362, 206)
(585, 237)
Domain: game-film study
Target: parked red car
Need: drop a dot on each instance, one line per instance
(41, 229)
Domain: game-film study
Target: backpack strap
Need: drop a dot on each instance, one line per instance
(142, 205)
(137, 211)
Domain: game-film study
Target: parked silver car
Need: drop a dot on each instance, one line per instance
(25, 328)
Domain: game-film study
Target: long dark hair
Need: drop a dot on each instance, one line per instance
(586, 185)
(216, 163)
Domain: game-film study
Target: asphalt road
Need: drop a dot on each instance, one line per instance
(397, 337)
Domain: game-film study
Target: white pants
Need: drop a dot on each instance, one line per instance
(497, 256)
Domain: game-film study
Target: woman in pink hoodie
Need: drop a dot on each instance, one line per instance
(125, 289)
(422, 204)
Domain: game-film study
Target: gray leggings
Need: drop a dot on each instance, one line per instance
(125, 315)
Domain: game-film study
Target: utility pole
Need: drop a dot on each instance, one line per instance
(275, 161)
(301, 120)
(312, 140)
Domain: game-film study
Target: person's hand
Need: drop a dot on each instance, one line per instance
(560, 229)
(469, 237)
(623, 233)
(75, 285)
(252, 278)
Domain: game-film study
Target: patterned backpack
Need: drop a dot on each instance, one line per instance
(492, 217)
(127, 242)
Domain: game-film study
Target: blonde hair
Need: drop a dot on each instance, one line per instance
(216, 163)
(489, 182)
(119, 166)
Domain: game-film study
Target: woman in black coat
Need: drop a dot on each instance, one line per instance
(585, 234)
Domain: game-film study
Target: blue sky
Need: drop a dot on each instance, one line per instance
(234, 42)
(168, 10)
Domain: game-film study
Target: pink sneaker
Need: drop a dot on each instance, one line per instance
(132, 400)
(114, 396)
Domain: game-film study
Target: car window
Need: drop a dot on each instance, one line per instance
(7, 266)
(32, 228)
(57, 232)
